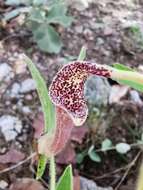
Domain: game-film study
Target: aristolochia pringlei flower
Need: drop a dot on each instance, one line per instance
(67, 93)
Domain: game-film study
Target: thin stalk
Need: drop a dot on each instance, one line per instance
(127, 75)
(52, 173)
(140, 179)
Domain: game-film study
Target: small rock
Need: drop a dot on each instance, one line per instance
(3, 184)
(88, 33)
(27, 85)
(86, 184)
(10, 126)
(95, 25)
(28, 97)
(97, 91)
(15, 90)
(79, 4)
(20, 65)
(100, 41)
(134, 95)
(108, 31)
(117, 93)
(140, 68)
(79, 29)
(26, 110)
(5, 72)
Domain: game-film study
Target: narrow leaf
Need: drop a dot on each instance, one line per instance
(66, 180)
(47, 106)
(41, 166)
(122, 67)
(132, 84)
(48, 109)
(82, 54)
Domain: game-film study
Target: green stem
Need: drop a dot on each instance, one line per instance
(127, 75)
(52, 173)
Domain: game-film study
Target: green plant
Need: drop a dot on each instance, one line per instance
(137, 34)
(41, 16)
(66, 95)
(107, 145)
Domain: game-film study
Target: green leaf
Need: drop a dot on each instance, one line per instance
(122, 148)
(47, 106)
(39, 2)
(57, 14)
(41, 166)
(122, 67)
(132, 84)
(93, 155)
(82, 54)
(66, 180)
(106, 144)
(47, 38)
(37, 15)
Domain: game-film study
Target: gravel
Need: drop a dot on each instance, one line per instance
(5, 72)
(27, 85)
(10, 127)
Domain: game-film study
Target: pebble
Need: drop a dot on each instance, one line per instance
(100, 41)
(26, 110)
(88, 33)
(108, 31)
(95, 25)
(79, 29)
(97, 91)
(3, 184)
(20, 65)
(10, 127)
(27, 85)
(87, 184)
(15, 90)
(5, 72)
(134, 95)
(78, 4)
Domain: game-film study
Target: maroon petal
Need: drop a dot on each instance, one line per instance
(64, 126)
(67, 88)
(52, 143)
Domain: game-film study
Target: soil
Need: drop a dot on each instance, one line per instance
(105, 29)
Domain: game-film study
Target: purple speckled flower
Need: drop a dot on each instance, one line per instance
(67, 88)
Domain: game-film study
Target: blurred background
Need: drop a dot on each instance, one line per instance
(105, 153)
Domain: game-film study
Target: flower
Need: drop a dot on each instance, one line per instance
(67, 88)
(67, 94)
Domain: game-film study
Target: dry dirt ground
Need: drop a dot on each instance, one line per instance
(106, 28)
